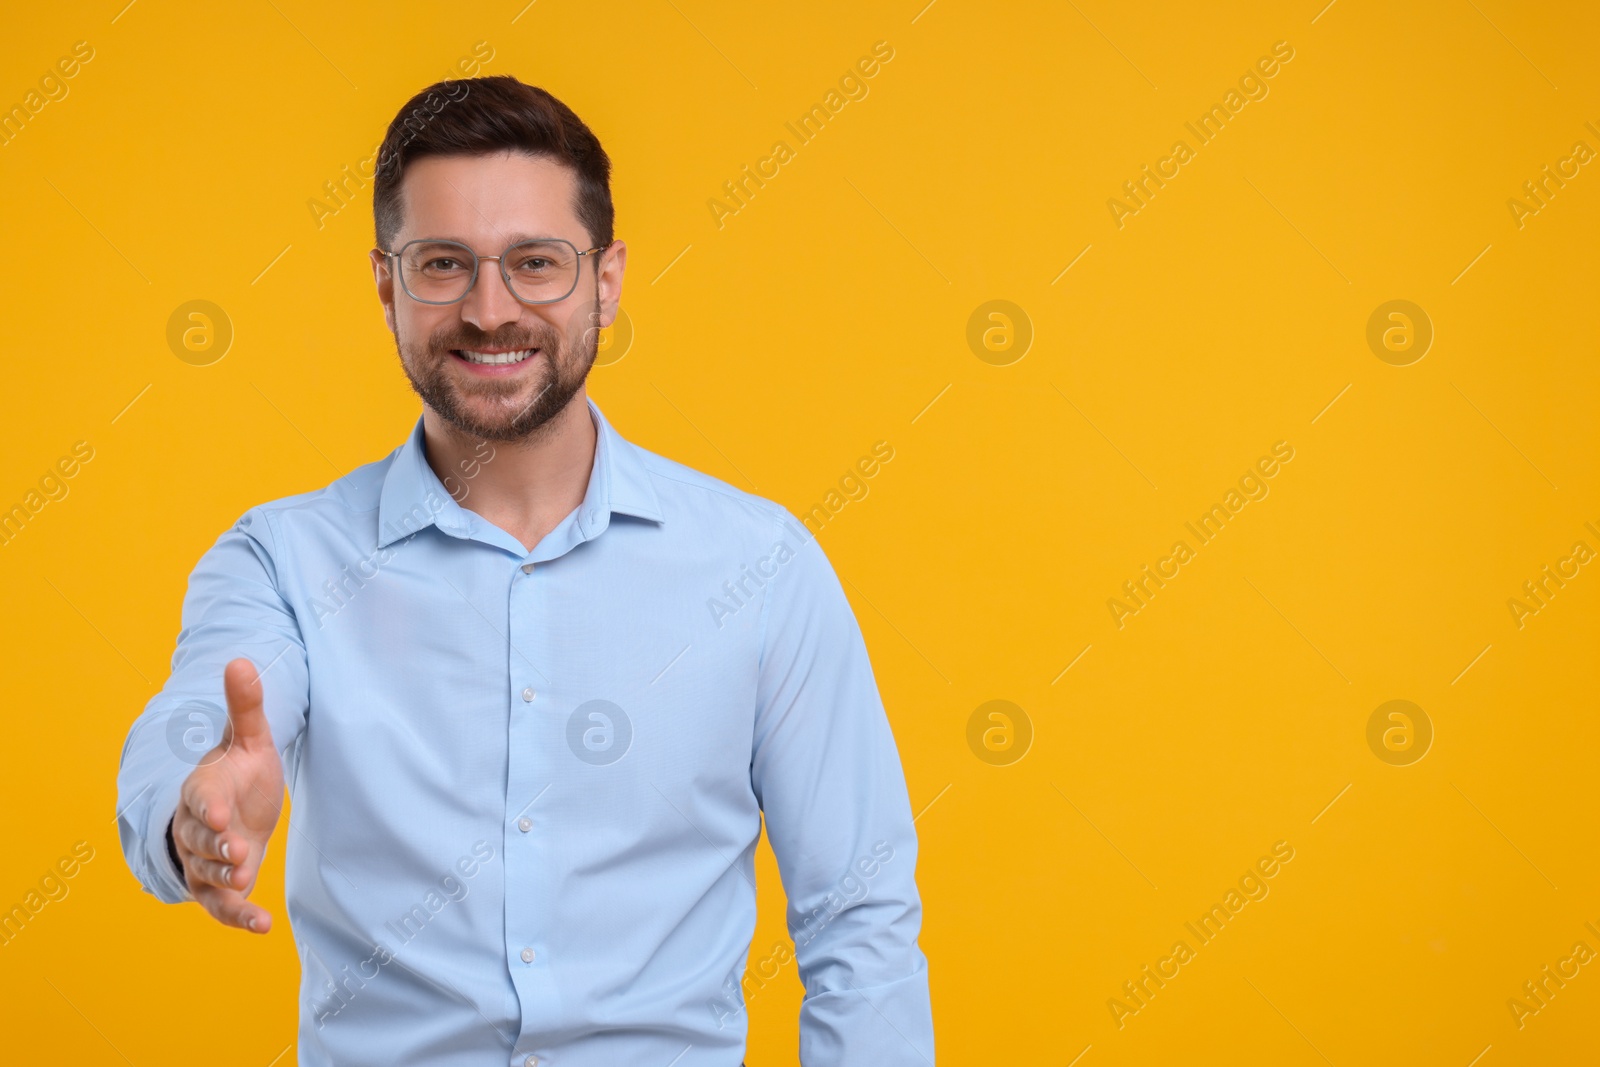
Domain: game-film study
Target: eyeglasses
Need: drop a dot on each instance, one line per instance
(541, 271)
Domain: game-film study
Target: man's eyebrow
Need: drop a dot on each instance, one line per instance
(516, 238)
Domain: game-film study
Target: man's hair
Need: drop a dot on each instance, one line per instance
(482, 116)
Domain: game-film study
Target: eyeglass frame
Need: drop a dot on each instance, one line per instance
(500, 259)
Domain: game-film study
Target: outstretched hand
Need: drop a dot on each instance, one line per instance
(229, 807)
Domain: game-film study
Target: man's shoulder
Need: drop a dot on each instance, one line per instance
(701, 500)
(344, 500)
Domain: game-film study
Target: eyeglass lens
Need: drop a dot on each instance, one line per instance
(441, 271)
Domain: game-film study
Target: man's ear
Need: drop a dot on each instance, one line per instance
(613, 261)
(385, 282)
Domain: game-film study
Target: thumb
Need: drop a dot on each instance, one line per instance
(247, 719)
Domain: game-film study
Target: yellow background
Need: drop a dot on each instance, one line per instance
(829, 313)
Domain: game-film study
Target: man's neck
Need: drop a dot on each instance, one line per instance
(524, 487)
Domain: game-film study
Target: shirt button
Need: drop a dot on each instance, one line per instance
(527, 955)
(531, 1061)
(527, 568)
(524, 824)
(594, 515)
(528, 695)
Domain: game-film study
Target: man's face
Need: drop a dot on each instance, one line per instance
(487, 203)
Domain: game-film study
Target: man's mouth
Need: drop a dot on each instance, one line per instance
(494, 357)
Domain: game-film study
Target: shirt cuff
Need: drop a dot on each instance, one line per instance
(172, 848)
(166, 879)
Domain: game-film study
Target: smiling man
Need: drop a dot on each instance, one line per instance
(529, 768)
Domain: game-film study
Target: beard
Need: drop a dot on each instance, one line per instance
(495, 410)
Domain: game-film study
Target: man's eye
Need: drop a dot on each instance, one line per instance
(442, 264)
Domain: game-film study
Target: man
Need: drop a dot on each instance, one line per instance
(532, 686)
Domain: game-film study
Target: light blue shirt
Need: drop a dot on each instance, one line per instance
(527, 786)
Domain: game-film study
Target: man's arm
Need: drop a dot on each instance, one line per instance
(827, 773)
(232, 609)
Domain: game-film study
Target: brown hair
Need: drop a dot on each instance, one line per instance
(480, 116)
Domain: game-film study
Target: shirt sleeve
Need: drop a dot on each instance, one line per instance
(827, 773)
(233, 608)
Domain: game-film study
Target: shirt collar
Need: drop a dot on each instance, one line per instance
(413, 496)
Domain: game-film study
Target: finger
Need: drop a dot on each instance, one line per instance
(229, 907)
(225, 845)
(247, 718)
(233, 848)
(199, 839)
(210, 872)
(207, 797)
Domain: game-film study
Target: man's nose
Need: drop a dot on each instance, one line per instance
(490, 302)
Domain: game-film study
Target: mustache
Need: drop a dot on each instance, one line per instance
(546, 340)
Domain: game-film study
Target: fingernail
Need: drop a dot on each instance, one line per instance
(202, 811)
(225, 846)
(251, 922)
(227, 874)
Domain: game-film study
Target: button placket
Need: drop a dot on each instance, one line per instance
(528, 769)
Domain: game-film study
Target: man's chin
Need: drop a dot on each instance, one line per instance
(498, 409)
(494, 425)
(501, 418)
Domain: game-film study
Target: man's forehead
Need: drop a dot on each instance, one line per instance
(506, 196)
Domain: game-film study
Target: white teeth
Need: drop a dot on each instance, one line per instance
(497, 358)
